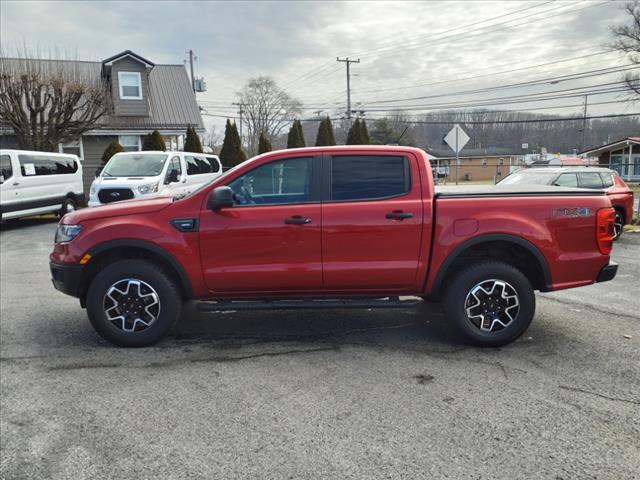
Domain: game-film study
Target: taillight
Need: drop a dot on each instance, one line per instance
(605, 231)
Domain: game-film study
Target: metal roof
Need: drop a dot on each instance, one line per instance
(128, 53)
(172, 104)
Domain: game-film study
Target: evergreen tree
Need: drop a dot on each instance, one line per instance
(154, 141)
(192, 141)
(325, 137)
(353, 136)
(364, 133)
(264, 145)
(231, 153)
(113, 148)
(300, 136)
(295, 139)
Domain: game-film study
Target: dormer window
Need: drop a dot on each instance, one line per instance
(130, 85)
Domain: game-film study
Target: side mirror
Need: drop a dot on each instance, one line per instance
(222, 197)
(173, 177)
(98, 171)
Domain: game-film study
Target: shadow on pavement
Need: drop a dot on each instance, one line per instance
(19, 223)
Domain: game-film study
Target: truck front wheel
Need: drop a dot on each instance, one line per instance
(491, 303)
(133, 303)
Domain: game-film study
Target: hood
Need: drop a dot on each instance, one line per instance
(127, 207)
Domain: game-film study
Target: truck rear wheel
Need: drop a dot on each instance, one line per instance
(618, 224)
(133, 303)
(491, 303)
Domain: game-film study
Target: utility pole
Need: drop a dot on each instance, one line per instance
(584, 123)
(348, 62)
(193, 85)
(240, 113)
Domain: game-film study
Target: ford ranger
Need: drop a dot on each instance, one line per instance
(333, 227)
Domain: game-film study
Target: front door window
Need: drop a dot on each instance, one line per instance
(277, 183)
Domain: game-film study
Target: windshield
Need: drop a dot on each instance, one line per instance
(135, 165)
(528, 178)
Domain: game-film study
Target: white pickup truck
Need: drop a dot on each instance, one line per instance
(130, 175)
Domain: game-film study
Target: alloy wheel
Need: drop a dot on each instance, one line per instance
(131, 305)
(618, 224)
(492, 305)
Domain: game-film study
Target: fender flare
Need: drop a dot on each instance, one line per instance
(151, 248)
(499, 237)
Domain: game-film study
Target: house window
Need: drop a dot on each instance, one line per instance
(130, 143)
(73, 147)
(171, 141)
(130, 85)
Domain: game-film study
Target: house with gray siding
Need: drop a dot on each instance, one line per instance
(146, 97)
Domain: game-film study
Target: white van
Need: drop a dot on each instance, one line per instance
(129, 175)
(33, 183)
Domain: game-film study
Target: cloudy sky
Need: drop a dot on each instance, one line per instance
(407, 50)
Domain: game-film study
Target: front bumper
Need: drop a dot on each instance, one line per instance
(607, 273)
(66, 278)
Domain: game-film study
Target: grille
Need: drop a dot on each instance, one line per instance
(108, 195)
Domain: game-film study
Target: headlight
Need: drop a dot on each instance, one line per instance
(66, 233)
(92, 190)
(148, 188)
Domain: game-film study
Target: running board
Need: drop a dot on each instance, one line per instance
(295, 304)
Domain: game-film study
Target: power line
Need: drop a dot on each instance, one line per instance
(492, 74)
(537, 120)
(484, 90)
(430, 35)
(315, 72)
(486, 29)
(473, 122)
(480, 111)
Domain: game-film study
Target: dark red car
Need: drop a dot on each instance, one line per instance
(619, 193)
(333, 227)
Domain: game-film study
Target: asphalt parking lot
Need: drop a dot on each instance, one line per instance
(317, 394)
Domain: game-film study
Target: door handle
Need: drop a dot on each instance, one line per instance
(15, 184)
(399, 215)
(297, 220)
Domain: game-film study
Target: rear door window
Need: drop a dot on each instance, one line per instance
(590, 180)
(38, 165)
(6, 170)
(197, 165)
(369, 177)
(567, 180)
(215, 165)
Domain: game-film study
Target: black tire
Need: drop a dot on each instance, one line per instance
(467, 287)
(618, 224)
(152, 277)
(68, 205)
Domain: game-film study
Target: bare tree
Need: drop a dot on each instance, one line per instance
(627, 40)
(46, 102)
(267, 109)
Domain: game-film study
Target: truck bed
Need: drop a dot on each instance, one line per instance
(512, 191)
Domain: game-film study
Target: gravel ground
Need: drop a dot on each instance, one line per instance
(317, 394)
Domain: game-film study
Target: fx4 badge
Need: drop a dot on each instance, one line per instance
(572, 212)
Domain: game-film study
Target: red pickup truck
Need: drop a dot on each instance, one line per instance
(333, 227)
